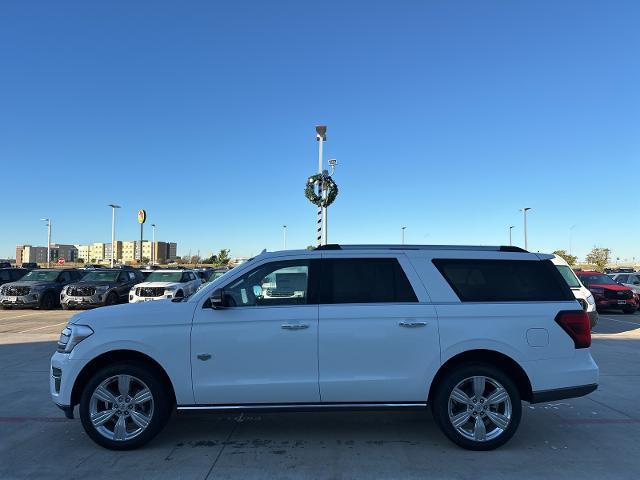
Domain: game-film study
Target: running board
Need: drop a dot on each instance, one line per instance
(303, 407)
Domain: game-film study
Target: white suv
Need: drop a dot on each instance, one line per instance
(469, 331)
(163, 284)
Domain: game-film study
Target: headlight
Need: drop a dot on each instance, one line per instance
(37, 288)
(591, 300)
(71, 336)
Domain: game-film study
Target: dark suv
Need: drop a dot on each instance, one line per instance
(38, 288)
(107, 286)
(11, 274)
(608, 293)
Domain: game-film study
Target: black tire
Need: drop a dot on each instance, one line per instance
(630, 309)
(48, 301)
(112, 299)
(179, 294)
(162, 404)
(65, 307)
(440, 406)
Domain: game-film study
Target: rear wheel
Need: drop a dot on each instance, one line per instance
(629, 309)
(123, 406)
(477, 406)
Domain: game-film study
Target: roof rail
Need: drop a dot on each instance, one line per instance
(503, 248)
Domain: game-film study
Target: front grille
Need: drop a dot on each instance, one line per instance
(584, 304)
(150, 291)
(81, 291)
(618, 294)
(15, 291)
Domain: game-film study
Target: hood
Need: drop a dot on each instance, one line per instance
(158, 284)
(41, 283)
(608, 286)
(92, 284)
(130, 315)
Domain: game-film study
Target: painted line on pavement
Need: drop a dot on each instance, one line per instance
(32, 419)
(621, 321)
(42, 328)
(600, 421)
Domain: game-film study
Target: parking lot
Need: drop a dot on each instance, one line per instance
(591, 437)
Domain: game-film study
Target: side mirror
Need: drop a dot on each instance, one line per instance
(217, 299)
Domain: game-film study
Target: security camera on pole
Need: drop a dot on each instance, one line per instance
(321, 190)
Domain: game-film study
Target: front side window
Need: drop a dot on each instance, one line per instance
(364, 280)
(271, 284)
(504, 280)
(597, 279)
(622, 278)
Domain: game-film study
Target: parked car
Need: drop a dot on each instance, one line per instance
(30, 265)
(100, 287)
(469, 331)
(11, 274)
(38, 288)
(608, 293)
(204, 273)
(631, 280)
(582, 294)
(163, 284)
(5, 264)
(619, 270)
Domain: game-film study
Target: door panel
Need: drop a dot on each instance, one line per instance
(366, 355)
(253, 358)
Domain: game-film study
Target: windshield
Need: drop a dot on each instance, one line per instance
(100, 277)
(40, 276)
(569, 276)
(599, 279)
(164, 277)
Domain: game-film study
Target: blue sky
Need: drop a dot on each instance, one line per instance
(445, 116)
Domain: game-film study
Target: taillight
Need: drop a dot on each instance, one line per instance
(576, 324)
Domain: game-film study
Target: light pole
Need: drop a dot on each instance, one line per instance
(571, 237)
(510, 228)
(48, 220)
(402, 229)
(524, 212)
(153, 244)
(113, 231)
(284, 233)
(321, 137)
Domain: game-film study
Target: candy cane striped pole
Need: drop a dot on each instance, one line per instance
(321, 136)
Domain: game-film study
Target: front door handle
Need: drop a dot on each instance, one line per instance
(204, 356)
(294, 326)
(408, 324)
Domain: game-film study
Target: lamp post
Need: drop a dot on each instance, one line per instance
(284, 233)
(321, 137)
(571, 237)
(402, 229)
(510, 228)
(113, 231)
(48, 220)
(153, 244)
(524, 212)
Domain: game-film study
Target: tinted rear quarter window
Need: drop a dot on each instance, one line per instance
(504, 280)
(364, 280)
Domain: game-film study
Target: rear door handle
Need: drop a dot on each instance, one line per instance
(408, 324)
(294, 326)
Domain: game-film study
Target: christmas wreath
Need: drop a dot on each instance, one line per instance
(326, 183)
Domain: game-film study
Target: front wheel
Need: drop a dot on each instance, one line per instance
(123, 406)
(477, 406)
(48, 301)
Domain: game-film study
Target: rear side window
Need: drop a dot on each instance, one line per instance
(364, 280)
(504, 280)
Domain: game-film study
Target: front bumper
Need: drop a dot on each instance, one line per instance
(30, 300)
(62, 376)
(611, 304)
(137, 299)
(96, 300)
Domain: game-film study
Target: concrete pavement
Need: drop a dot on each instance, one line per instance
(588, 438)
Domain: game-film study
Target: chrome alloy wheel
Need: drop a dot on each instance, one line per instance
(121, 407)
(479, 408)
